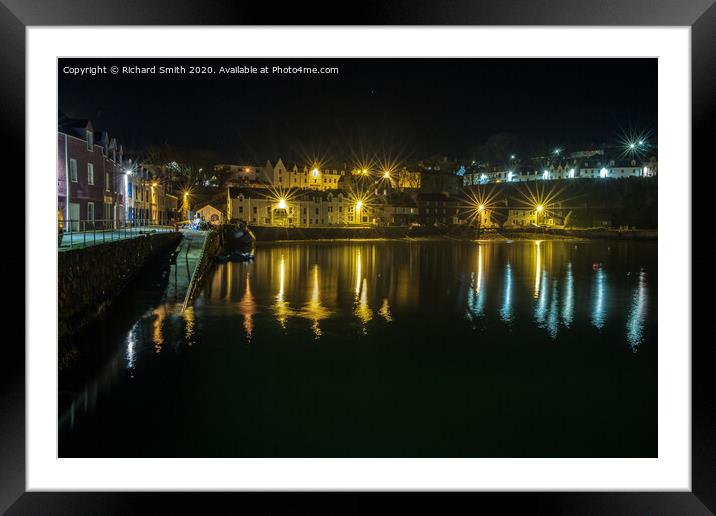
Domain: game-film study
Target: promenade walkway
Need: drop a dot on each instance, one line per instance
(73, 240)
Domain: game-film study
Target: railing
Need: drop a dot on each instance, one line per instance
(82, 232)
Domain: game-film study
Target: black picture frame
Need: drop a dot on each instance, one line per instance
(17, 15)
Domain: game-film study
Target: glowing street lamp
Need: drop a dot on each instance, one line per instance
(359, 205)
(386, 174)
(539, 208)
(281, 204)
(481, 207)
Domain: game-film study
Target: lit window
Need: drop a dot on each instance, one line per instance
(73, 170)
(90, 173)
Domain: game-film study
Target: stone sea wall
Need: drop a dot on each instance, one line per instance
(89, 278)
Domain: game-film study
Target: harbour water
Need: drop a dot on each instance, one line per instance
(378, 349)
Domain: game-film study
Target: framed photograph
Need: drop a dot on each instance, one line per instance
(438, 249)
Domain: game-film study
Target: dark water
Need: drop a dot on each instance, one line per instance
(380, 349)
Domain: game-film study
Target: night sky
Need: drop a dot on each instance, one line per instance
(405, 108)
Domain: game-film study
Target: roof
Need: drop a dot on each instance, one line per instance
(215, 203)
(400, 199)
(434, 197)
(75, 126)
(249, 193)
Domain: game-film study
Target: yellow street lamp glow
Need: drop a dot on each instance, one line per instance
(186, 194)
(481, 207)
(281, 204)
(359, 205)
(365, 171)
(539, 208)
(154, 185)
(315, 172)
(386, 174)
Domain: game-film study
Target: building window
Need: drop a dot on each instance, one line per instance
(90, 173)
(106, 181)
(90, 141)
(73, 170)
(90, 211)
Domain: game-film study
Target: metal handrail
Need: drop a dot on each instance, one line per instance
(83, 232)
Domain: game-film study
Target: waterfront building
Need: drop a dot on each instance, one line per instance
(212, 211)
(588, 164)
(307, 207)
(85, 176)
(438, 208)
(397, 209)
(297, 176)
(521, 216)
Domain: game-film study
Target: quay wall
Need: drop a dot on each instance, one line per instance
(271, 234)
(589, 233)
(89, 278)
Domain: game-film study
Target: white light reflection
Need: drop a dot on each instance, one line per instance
(542, 298)
(552, 319)
(506, 310)
(568, 300)
(130, 353)
(598, 313)
(637, 314)
(538, 267)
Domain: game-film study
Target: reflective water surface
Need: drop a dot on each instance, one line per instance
(524, 348)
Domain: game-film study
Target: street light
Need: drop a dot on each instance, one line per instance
(481, 207)
(281, 204)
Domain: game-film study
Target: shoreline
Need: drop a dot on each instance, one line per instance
(490, 237)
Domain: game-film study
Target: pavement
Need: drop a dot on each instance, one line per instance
(88, 238)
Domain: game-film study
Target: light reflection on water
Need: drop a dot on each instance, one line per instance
(637, 314)
(600, 288)
(541, 308)
(397, 281)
